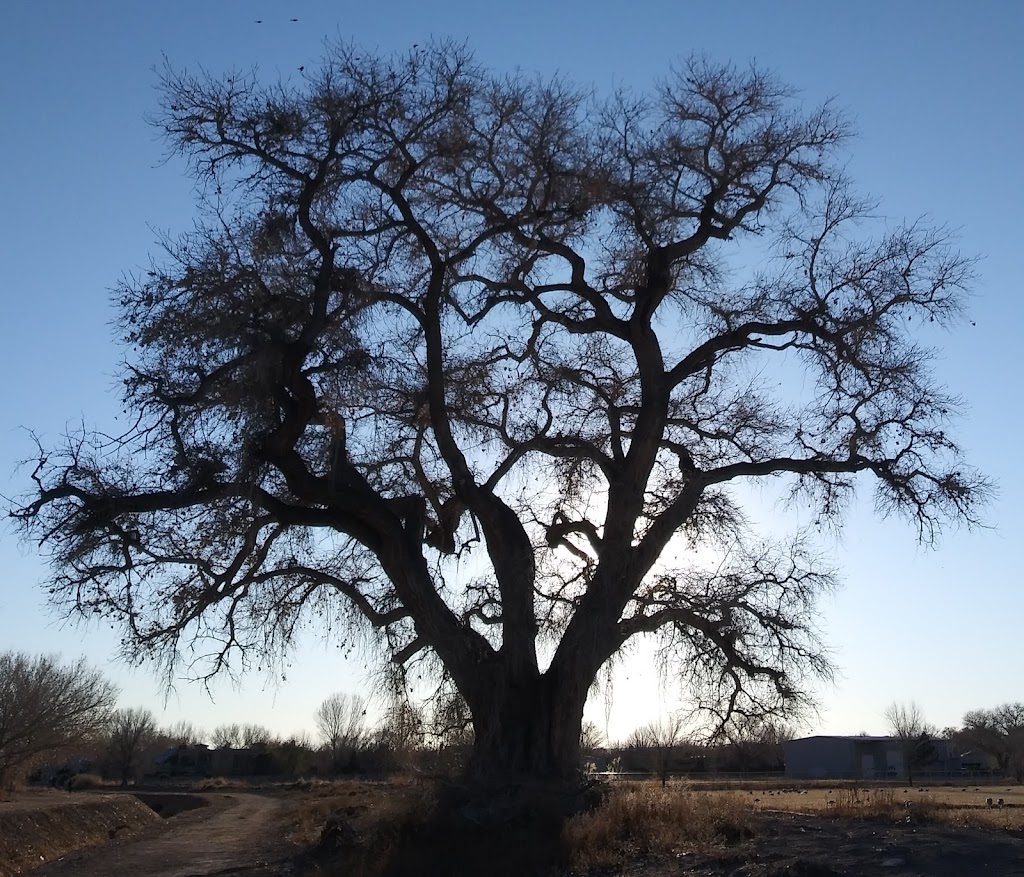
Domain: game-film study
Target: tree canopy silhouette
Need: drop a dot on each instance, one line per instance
(47, 711)
(458, 358)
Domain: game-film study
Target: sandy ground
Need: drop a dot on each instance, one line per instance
(236, 831)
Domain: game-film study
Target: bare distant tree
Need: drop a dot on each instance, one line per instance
(905, 720)
(430, 309)
(227, 737)
(999, 733)
(47, 710)
(591, 737)
(916, 735)
(132, 731)
(183, 733)
(303, 739)
(256, 735)
(758, 743)
(341, 721)
(662, 738)
(402, 730)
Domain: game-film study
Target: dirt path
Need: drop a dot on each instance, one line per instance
(236, 831)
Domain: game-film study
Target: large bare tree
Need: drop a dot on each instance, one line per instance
(256, 735)
(132, 732)
(915, 735)
(226, 736)
(457, 357)
(661, 738)
(341, 721)
(183, 733)
(47, 709)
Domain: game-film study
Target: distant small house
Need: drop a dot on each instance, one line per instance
(227, 762)
(183, 761)
(827, 757)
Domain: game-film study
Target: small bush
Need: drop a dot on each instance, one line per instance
(83, 781)
(308, 784)
(877, 803)
(645, 818)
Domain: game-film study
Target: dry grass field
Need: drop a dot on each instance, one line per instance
(405, 828)
(952, 805)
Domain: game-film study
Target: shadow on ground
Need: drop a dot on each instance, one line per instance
(453, 830)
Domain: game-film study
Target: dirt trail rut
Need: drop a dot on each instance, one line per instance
(236, 832)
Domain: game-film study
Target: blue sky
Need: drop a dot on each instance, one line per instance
(933, 87)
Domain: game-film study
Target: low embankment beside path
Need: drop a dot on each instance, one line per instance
(39, 827)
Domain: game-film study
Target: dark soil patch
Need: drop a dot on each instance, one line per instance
(168, 804)
(796, 845)
(384, 830)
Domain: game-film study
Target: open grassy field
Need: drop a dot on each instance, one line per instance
(954, 805)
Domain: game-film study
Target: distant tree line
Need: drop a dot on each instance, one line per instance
(51, 712)
(991, 737)
(997, 733)
(65, 716)
(670, 747)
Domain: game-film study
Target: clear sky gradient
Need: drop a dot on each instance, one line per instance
(934, 87)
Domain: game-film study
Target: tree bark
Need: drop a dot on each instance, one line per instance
(529, 729)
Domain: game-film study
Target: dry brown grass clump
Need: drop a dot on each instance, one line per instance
(360, 828)
(307, 784)
(216, 784)
(644, 818)
(364, 802)
(873, 804)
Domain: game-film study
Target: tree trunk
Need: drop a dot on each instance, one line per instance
(665, 759)
(529, 730)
